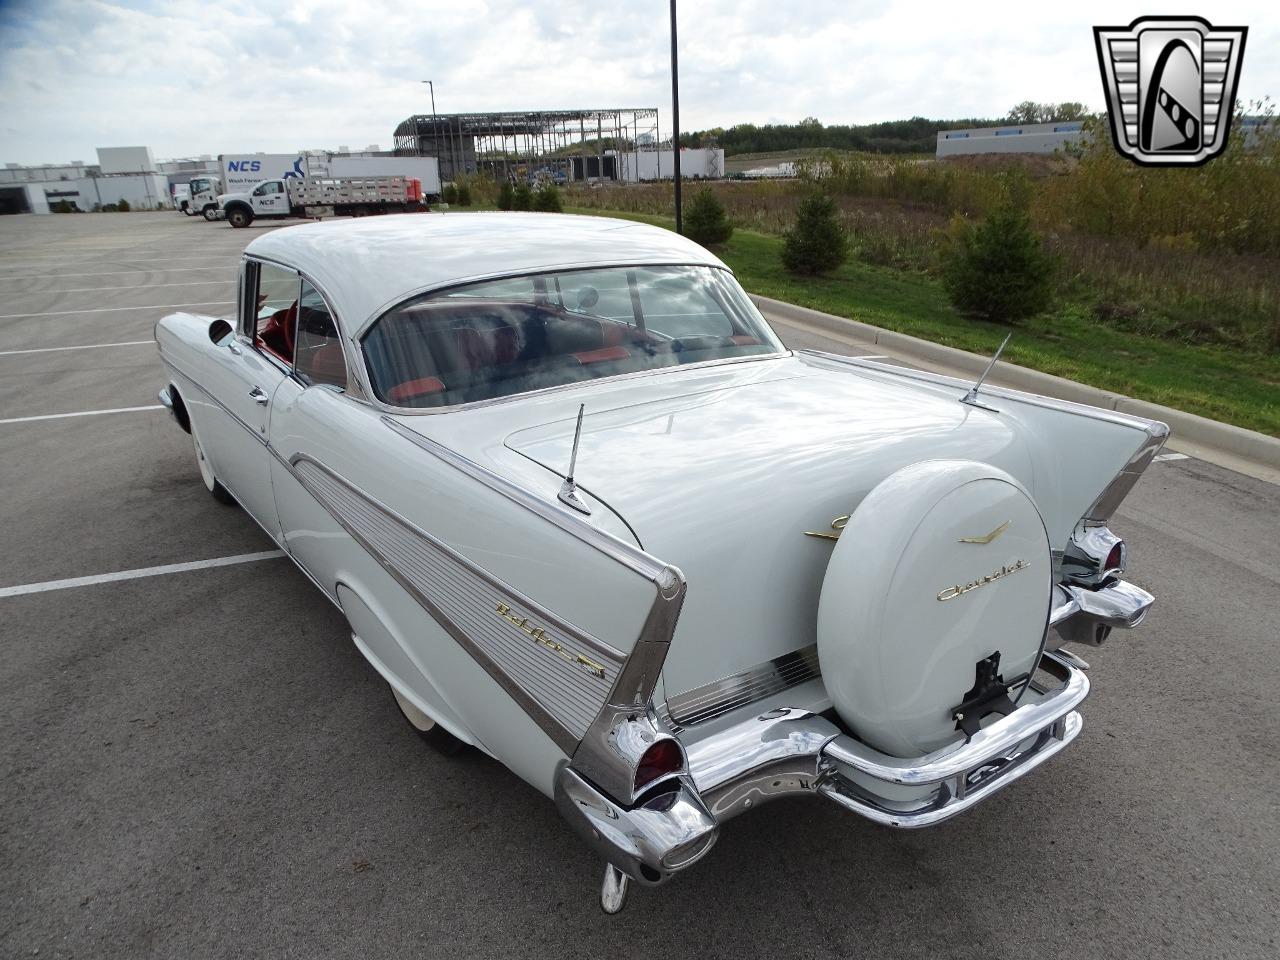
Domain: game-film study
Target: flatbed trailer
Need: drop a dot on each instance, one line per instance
(319, 197)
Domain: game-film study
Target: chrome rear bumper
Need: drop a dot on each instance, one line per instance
(787, 752)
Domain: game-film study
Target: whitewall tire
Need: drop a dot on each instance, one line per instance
(436, 737)
(216, 490)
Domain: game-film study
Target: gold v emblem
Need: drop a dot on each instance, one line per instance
(990, 536)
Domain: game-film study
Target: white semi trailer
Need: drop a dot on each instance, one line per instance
(319, 197)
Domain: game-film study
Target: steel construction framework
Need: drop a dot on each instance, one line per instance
(513, 144)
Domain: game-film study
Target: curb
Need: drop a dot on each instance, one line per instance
(1222, 443)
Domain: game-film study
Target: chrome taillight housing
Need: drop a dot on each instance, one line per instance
(1093, 556)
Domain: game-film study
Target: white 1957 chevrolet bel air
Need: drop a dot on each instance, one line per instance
(586, 513)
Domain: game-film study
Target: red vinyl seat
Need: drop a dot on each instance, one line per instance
(415, 388)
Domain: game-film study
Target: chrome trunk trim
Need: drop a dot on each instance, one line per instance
(721, 696)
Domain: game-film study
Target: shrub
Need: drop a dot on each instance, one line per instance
(449, 194)
(63, 206)
(123, 205)
(506, 196)
(998, 269)
(705, 221)
(522, 197)
(816, 243)
(547, 198)
(464, 195)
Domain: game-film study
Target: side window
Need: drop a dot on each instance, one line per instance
(266, 189)
(277, 310)
(319, 351)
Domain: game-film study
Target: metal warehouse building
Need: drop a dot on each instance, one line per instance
(1011, 138)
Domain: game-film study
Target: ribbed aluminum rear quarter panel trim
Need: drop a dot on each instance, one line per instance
(559, 692)
(720, 696)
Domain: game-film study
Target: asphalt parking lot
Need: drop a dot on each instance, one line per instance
(200, 764)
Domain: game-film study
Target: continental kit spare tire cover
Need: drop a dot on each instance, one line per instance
(943, 563)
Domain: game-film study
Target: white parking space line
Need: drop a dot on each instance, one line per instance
(228, 281)
(83, 413)
(138, 574)
(86, 346)
(141, 306)
(119, 273)
(75, 256)
(1171, 456)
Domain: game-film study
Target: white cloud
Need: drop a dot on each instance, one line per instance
(187, 77)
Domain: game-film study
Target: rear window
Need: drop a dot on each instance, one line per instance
(508, 336)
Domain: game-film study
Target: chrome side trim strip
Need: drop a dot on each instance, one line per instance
(645, 564)
(561, 677)
(720, 696)
(216, 402)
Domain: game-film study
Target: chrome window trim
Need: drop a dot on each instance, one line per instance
(552, 725)
(356, 387)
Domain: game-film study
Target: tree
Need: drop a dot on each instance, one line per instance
(449, 194)
(522, 198)
(547, 198)
(816, 243)
(704, 220)
(506, 196)
(998, 269)
(1028, 111)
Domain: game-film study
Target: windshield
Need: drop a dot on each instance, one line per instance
(502, 337)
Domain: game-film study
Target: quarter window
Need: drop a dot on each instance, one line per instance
(318, 357)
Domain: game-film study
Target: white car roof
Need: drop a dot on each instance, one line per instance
(367, 265)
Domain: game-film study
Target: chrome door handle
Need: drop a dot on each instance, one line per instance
(234, 348)
(259, 396)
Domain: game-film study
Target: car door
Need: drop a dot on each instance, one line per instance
(244, 379)
(270, 199)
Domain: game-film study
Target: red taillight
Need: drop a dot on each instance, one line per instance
(661, 760)
(1115, 559)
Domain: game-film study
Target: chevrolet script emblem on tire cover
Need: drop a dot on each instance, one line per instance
(1170, 84)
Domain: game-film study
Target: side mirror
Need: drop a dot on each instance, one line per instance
(219, 330)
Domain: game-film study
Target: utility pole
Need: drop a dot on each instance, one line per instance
(675, 118)
(435, 130)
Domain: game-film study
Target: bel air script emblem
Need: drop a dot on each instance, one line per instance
(1171, 87)
(540, 637)
(950, 593)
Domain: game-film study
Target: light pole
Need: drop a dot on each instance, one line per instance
(435, 128)
(675, 118)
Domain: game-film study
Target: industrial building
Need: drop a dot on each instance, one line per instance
(121, 173)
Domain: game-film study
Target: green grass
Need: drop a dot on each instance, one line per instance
(1216, 382)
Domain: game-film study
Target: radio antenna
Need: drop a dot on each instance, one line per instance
(569, 489)
(972, 396)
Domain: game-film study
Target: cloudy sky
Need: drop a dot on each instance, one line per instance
(189, 78)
